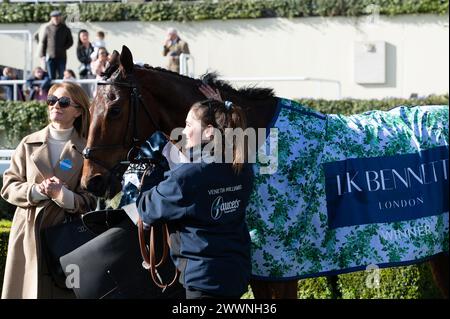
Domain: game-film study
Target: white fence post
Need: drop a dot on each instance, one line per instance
(5, 160)
(184, 64)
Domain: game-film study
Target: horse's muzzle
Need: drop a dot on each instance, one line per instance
(97, 185)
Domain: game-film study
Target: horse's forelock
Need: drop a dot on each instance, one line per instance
(110, 71)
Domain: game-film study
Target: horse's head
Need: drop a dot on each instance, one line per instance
(121, 119)
(133, 102)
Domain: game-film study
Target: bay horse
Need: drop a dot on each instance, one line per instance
(135, 101)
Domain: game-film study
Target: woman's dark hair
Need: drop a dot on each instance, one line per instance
(100, 49)
(80, 32)
(222, 117)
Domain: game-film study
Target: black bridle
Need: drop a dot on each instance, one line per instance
(129, 143)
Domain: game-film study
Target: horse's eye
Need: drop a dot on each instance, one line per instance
(111, 96)
(114, 112)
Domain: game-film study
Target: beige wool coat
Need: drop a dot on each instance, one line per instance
(26, 274)
(173, 51)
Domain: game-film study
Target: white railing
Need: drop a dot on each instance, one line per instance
(231, 79)
(5, 160)
(15, 83)
(189, 71)
(184, 65)
(288, 79)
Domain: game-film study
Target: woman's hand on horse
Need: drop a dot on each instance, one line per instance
(210, 93)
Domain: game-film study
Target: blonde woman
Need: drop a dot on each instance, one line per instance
(43, 181)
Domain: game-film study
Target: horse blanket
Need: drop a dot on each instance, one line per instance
(351, 191)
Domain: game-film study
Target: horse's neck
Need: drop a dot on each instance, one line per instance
(172, 100)
(177, 97)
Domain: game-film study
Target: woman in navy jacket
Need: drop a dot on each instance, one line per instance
(204, 202)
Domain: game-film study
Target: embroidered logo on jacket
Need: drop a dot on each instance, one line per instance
(219, 207)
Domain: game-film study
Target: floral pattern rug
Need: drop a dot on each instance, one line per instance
(288, 213)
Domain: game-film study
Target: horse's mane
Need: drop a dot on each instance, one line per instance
(251, 92)
(212, 79)
(209, 78)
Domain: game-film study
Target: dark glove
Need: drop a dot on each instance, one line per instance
(129, 194)
(154, 176)
(151, 150)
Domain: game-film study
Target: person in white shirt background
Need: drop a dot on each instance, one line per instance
(97, 44)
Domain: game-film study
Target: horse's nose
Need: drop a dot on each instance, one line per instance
(96, 185)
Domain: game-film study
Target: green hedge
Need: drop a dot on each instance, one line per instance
(204, 10)
(407, 282)
(20, 118)
(17, 119)
(355, 106)
(410, 282)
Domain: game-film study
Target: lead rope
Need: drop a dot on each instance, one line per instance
(149, 255)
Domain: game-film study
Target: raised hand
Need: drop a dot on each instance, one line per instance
(210, 93)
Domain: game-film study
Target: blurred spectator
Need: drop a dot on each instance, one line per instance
(173, 47)
(84, 51)
(38, 91)
(98, 43)
(99, 65)
(57, 39)
(10, 74)
(69, 76)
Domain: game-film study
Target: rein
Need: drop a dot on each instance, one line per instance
(134, 142)
(149, 254)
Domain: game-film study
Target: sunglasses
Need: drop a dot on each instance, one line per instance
(64, 101)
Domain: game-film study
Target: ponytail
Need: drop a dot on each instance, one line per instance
(224, 116)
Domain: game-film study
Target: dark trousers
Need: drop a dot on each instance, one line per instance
(197, 294)
(56, 67)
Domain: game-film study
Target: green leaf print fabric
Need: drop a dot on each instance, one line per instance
(287, 214)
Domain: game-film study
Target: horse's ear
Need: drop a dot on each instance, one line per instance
(126, 60)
